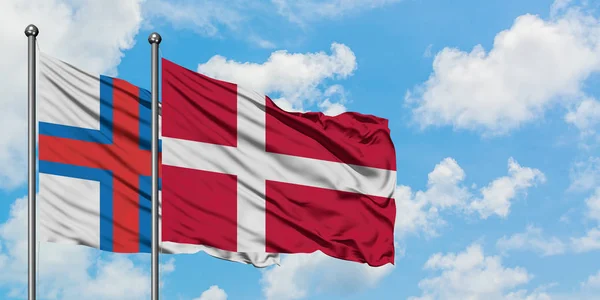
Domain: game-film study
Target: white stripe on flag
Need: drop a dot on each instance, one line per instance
(63, 220)
(67, 95)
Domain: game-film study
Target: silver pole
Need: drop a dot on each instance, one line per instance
(31, 32)
(154, 39)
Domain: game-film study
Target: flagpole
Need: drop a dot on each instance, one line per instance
(31, 33)
(154, 39)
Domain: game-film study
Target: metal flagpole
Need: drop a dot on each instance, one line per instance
(154, 39)
(31, 32)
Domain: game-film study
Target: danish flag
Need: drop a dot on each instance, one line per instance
(241, 174)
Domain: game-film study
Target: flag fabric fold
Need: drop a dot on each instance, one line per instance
(241, 174)
(94, 165)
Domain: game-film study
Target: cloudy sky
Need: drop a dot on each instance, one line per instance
(493, 108)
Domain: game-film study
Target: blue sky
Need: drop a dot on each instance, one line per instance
(494, 113)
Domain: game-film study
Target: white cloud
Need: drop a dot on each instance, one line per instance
(262, 43)
(114, 279)
(427, 52)
(592, 283)
(472, 275)
(589, 242)
(585, 175)
(287, 105)
(73, 31)
(212, 18)
(68, 271)
(593, 205)
(586, 116)
(415, 214)
(297, 77)
(559, 6)
(524, 295)
(532, 66)
(213, 293)
(489, 279)
(167, 267)
(443, 189)
(497, 195)
(534, 240)
(588, 290)
(242, 18)
(202, 16)
(299, 275)
(164, 269)
(334, 102)
(420, 211)
(332, 109)
(310, 10)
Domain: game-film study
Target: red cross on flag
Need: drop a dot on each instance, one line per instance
(242, 175)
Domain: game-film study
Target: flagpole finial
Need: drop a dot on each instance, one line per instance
(31, 30)
(154, 38)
